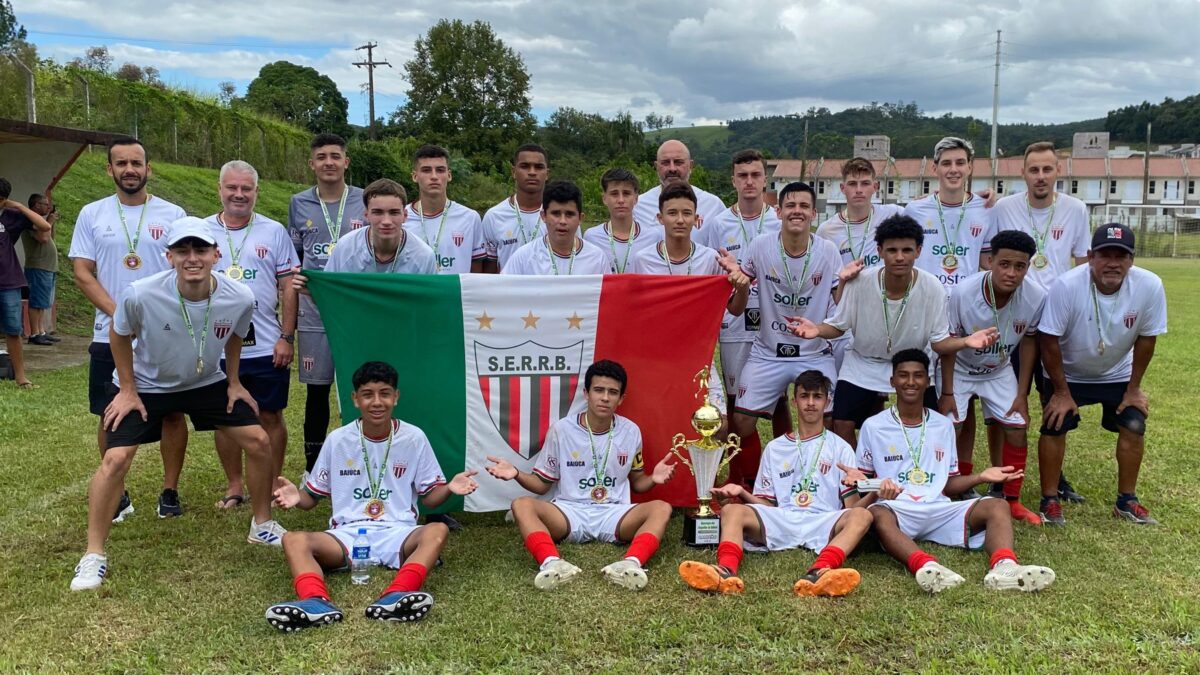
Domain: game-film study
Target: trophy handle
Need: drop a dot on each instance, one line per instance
(679, 442)
(733, 441)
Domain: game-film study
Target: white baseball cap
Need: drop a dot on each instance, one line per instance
(190, 227)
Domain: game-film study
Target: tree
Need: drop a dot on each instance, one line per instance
(226, 92)
(97, 59)
(468, 91)
(11, 32)
(130, 72)
(300, 95)
(654, 121)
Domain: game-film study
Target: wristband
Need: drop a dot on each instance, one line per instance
(950, 394)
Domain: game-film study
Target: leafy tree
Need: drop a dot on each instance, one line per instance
(11, 32)
(655, 122)
(226, 92)
(300, 95)
(97, 59)
(130, 72)
(468, 92)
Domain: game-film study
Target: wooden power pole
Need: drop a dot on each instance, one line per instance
(370, 64)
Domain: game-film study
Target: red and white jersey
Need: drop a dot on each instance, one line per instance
(506, 228)
(341, 474)
(455, 234)
(883, 452)
(970, 311)
(708, 206)
(566, 458)
(965, 235)
(1061, 241)
(727, 231)
(782, 473)
(787, 288)
(623, 250)
(654, 260)
(856, 240)
(265, 254)
(537, 258)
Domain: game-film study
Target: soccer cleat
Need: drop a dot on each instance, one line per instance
(124, 508)
(556, 573)
(300, 614)
(1051, 511)
(1009, 576)
(1134, 512)
(1020, 513)
(831, 583)
(713, 578)
(168, 504)
(400, 606)
(444, 518)
(89, 572)
(270, 532)
(627, 574)
(935, 578)
(1067, 493)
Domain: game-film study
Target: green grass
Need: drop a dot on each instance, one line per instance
(189, 594)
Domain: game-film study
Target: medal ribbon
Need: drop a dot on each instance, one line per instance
(187, 322)
(742, 224)
(362, 441)
(914, 452)
(235, 254)
(612, 246)
(335, 233)
(952, 244)
(553, 255)
(888, 326)
(862, 246)
(788, 279)
(512, 201)
(133, 241)
(667, 259)
(1040, 237)
(600, 468)
(395, 256)
(812, 465)
(1101, 320)
(437, 241)
(996, 313)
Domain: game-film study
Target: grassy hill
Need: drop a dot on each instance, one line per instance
(194, 189)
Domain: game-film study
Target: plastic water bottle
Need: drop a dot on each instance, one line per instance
(360, 558)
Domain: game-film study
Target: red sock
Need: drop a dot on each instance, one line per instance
(1011, 455)
(918, 559)
(729, 556)
(749, 458)
(642, 548)
(831, 557)
(410, 578)
(310, 585)
(965, 468)
(1003, 554)
(541, 546)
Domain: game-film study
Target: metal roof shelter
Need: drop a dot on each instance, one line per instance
(34, 157)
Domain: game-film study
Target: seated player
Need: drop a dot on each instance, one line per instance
(911, 448)
(596, 459)
(372, 470)
(803, 482)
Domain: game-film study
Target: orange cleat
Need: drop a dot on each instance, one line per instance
(711, 578)
(829, 583)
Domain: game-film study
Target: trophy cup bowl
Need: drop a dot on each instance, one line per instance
(706, 458)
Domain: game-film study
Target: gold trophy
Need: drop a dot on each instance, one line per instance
(708, 459)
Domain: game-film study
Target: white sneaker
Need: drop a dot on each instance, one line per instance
(89, 572)
(270, 532)
(934, 578)
(1009, 576)
(627, 574)
(554, 574)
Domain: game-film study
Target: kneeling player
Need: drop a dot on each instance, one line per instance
(371, 469)
(597, 456)
(803, 481)
(912, 450)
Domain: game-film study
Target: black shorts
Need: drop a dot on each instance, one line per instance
(1040, 384)
(1109, 396)
(204, 405)
(266, 383)
(100, 375)
(855, 404)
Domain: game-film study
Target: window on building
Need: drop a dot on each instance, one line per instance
(1170, 189)
(1112, 187)
(820, 187)
(1058, 186)
(1000, 186)
(891, 187)
(925, 187)
(1074, 187)
(1191, 187)
(1153, 186)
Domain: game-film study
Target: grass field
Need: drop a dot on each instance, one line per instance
(189, 594)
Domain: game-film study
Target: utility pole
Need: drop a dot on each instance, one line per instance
(370, 64)
(804, 151)
(1145, 184)
(995, 107)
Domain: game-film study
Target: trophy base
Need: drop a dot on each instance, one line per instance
(701, 531)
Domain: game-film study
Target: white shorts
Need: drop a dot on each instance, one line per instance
(764, 380)
(387, 540)
(314, 357)
(942, 523)
(592, 522)
(786, 528)
(996, 395)
(733, 359)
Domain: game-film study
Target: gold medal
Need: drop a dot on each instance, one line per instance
(950, 262)
(803, 499)
(1040, 261)
(374, 509)
(1100, 347)
(199, 366)
(133, 261)
(235, 272)
(599, 494)
(330, 250)
(918, 476)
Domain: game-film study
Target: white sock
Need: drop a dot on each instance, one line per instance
(547, 561)
(634, 559)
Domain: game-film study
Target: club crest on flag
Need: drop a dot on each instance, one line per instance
(1057, 232)
(156, 232)
(1019, 326)
(622, 458)
(976, 228)
(221, 328)
(526, 387)
(398, 469)
(458, 238)
(261, 251)
(824, 466)
(307, 363)
(1130, 319)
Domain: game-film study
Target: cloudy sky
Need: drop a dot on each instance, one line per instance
(703, 61)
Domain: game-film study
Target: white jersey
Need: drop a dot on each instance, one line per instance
(99, 237)
(805, 480)
(791, 286)
(165, 352)
(567, 458)
(884, 452)
(708, 207)
(355, 254)
(1138, 308)
(653, 260)
(1061, 241)
(916, 324)
(729, 231)
(622, 251)
(856, 241)
(971, 311)
(965, 235)
(403, 472)
(455, 234)
(536, 258)
(264, 251)
(507, 228)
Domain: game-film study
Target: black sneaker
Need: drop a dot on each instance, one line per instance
(168, 504)
(52, 338)
(1067, 493)
(40, 339)
(1051, 511)
(445, 519)
(124, 508)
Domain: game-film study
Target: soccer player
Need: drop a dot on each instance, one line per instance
(517, 220)
(673, 162)
(452, 230)
(889, 309)
(911, 449)
(806, 478)
(118, 240)
(999, 297)
(1097, 336)
(184, 318)
(15, 219)
(852, 229)
(318, 218)
(560, 251)
(371, 470)
(622, 236)
(255, 251)
(595, 458)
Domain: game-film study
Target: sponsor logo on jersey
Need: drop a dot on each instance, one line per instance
(526, 386)
(576, 463)
(156, 231)
(1019, 326)
(785, 474)
(893, 458)
(552, 462)
(766, 482)
(786, 351)
(323, 477)
(307, 363)
(165, 327)
(1130, 318)
(261, 251)
(221, 328)
(753, 319)
(398, 469)
(1057, 232)
(349, 472)
(458, 238)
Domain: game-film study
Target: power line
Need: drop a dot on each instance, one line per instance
(371, 64)
(242, 45)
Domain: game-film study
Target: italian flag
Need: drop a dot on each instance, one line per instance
(488, 362)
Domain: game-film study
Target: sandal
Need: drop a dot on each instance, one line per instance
(28, 385)
(231, 502)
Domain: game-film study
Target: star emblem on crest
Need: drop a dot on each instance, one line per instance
(485, 321)
(531, 320)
